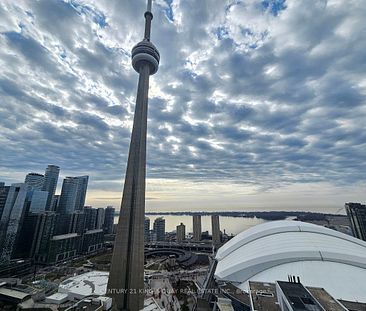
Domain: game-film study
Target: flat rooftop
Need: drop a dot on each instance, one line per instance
(264, 296)
(325, 299)
(298, 296)
(12, 294)
(151, 305)
(224, 304)
(93, 231)
(354, 306)
(64, 236)
(86, 305)
(86, 284)
(236, 293)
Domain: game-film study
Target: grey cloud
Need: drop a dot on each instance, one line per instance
(288, 110)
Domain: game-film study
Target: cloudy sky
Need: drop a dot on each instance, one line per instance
(258, 104)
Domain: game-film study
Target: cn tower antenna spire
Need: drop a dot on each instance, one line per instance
(148, 19)
(126, 276)
(149, 4)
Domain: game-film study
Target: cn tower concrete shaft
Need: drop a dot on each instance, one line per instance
(126, 278)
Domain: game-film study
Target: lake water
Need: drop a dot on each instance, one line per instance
(231, 225)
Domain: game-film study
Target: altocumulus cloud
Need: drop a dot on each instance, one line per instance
(254, 94)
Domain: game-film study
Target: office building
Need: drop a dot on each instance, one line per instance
(73, 194)
(100, 218)
(54, 202)
(26, 236)
(50, 183)
(152, 236)
(197, 228)
(81, 192)
(147, 230)
(356, 213)
(4, 190)
(37, 200)
(108, 220)
(159, 228)
(63, 247)
(36, 231)
(91, 215)
(62, 224)
(44, 231)
(77, 223)
(11, 220)
(92, 241)
(215, 221)
(34, 181)
(181, 233)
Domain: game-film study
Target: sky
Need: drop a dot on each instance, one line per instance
(257, 104)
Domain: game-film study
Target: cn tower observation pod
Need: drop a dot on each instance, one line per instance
(272, 251)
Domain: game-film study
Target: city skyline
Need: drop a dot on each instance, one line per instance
(287, 202)
(276, 125)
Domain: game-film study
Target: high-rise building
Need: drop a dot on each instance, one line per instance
(35, 234)
(91, 215)
(38, 201)
(26, 236)
(11, 220)
(92, 241)
(181, 233)
(100, 218)
(73, 194)
(81, 192)
(54, 202)
(44, 231)
(77, 223)
(215, 222)
(62, 225)
(50, 182)
(127, 265)
(159, 228)
(35, 181)
(197, 228)
(147, 229)
(4, 190)
(357, 215)
(108, 220)
(63, 247)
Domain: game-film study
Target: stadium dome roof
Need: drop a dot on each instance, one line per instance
(320, 256)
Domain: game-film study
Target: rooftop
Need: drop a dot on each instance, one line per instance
(224, 304)
(12, 294)
(354, 306)
(87, 304)
(57, 297)
(151, 305)
(93, 231)
(264, 296)
(93, 282)
(299, 297)
(325, 299)
(64, 236)
(236, 293)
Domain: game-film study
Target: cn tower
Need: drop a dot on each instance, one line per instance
(126, 277)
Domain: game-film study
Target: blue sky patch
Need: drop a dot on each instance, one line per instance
(96, 16)
(274, 6)
(169, 10)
